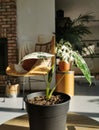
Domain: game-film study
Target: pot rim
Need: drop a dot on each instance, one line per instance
(66, 100)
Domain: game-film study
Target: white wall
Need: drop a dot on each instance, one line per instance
(34, 17)
(73, 8)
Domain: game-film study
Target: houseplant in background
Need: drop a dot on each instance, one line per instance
(47, 110)
(73, 30)
(65, 52)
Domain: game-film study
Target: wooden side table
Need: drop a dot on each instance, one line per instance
(65, 82)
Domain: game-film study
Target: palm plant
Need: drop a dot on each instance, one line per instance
(74, 30)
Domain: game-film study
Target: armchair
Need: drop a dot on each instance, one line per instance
(31, 67)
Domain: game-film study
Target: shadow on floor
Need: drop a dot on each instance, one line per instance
(83, 88)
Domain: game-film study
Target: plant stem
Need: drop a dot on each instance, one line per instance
(51, 92)
(47, 90)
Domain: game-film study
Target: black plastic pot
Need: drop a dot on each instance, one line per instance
(51, 117)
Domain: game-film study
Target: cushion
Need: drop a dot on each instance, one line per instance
(36, 59)
(28, 63)
(32, 63)
(19, 68)
(37, 55)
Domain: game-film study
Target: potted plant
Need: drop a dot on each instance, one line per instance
(65, 55)
(47, 110)
(65, 52)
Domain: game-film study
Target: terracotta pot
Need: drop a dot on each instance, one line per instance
(47, 117)
(63, 66)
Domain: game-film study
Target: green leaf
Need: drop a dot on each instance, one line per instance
(81, 64)
(50, 74)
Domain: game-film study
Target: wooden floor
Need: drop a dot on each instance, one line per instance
(74, 122)
(85, 102)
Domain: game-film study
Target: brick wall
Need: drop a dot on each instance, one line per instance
(8, 28)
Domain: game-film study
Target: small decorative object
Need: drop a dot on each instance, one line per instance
(12, 90)
(12, 87)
